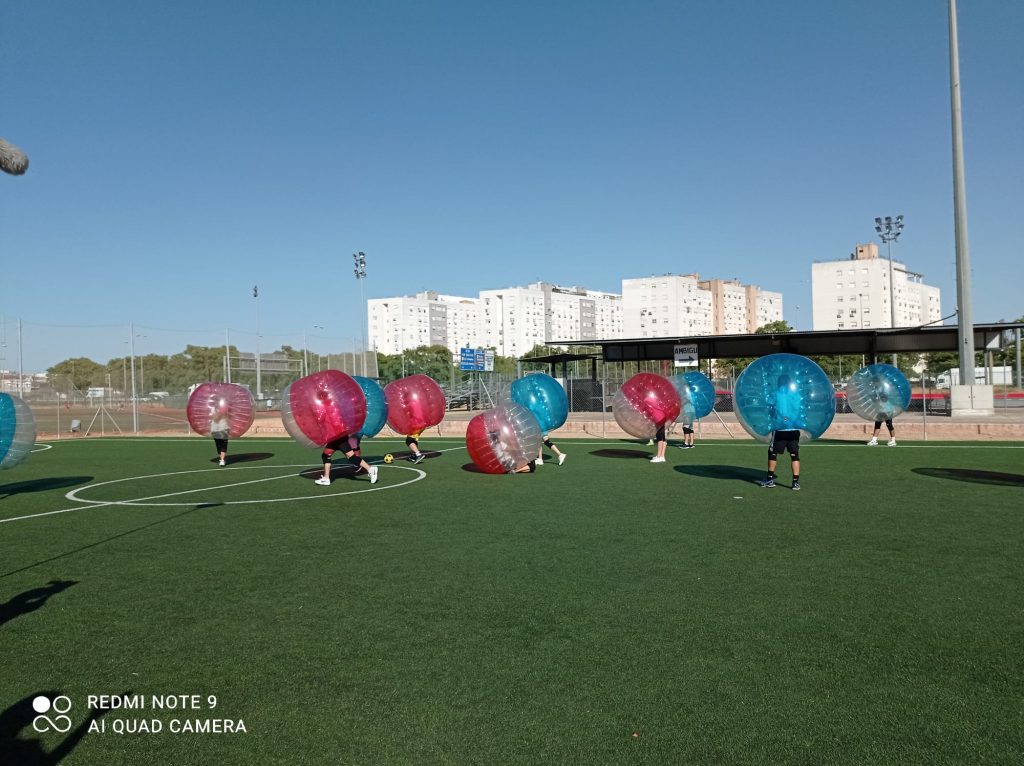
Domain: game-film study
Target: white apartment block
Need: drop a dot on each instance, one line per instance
(514, 319)
(665, 306)
(426, 319)
(738, 309)
(856, 293)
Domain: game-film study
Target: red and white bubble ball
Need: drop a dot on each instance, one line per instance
(322, 407)
(216, 408)
(645, 403)
(503, 439)
(414, 403)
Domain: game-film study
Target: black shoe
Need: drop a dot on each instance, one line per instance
(767, 483)
(417, 459)
(796, 486)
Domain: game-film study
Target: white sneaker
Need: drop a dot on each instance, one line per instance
(323, 481)
(222, 462)
(540, 461)
(892, 443)
(650, 442)
(657, 459)
(873, 442)
(561, 458)
(373, 474)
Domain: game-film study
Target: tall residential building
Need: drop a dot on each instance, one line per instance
(514, 319)
(856, 293)
(738, 309)
(426, 319)
(665, 306)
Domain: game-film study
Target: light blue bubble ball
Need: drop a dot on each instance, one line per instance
(697, 395)
(544, 397)
(17, 430)
(376, 407)
(784, 392)
(878, 392)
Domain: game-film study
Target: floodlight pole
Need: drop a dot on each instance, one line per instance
(965, 319)
(227, 356)
(360, 271)
(889, 231)
(259, 385)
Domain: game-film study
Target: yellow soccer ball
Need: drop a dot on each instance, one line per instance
(389, 458)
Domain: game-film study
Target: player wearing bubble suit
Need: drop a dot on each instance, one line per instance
(697, 398)
(545, 398)
(879, 392)
(786, 409)
(504, 439)
(222, 411)
(415, 403)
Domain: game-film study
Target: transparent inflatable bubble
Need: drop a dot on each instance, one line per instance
(544, 397)
(784, 392)
(696, 396)
(221, 410)
(376, 406)
(504, 438)
(322, 407)
(878, 392)
(414, 403)
(645, 403)
(17, 430)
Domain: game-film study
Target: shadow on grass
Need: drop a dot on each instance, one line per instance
(23, 714)
(474, 468)
(730, 472)
(41, 485)
(245, 457)
(198, 507)
(33, 599)
(973, 476)
(622, 453)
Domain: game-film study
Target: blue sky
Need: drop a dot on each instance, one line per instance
(182, 152)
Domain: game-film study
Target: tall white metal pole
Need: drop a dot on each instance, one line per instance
(965, 319)
(135, 398)
(227, 357)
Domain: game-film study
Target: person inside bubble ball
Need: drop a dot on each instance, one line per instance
(528, 466)
(349, 445)
(412, 441)
(884, 414)
(220, 425)
(785, 408)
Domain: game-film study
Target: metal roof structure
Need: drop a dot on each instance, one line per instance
(871, 342)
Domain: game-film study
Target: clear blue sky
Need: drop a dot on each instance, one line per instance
(183, 152)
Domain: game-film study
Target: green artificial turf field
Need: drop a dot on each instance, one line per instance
(605, 611)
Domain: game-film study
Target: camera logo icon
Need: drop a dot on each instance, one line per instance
(59, 705)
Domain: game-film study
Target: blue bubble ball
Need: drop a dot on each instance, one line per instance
(376, 407)
(697, 395)
(784, 392)
(878, 392)
(544, 397)
(17, 430)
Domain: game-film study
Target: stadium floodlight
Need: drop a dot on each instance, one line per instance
(889, 232)
(360, 270)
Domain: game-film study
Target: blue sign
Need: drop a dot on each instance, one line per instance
(467, 359)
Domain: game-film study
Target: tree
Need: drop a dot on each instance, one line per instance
(724, 367)
(80, 373)
(433, 361)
